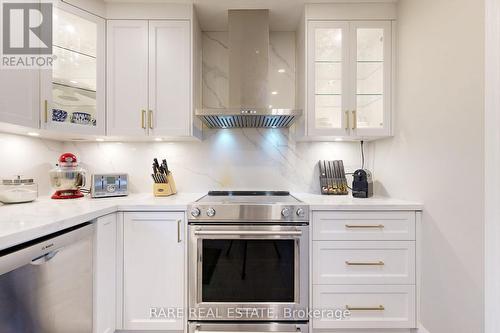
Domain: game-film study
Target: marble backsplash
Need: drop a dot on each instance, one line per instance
(225, 159)
(281, 78)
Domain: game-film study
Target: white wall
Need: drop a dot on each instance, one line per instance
(492, 165)
(28, 157)
(437, 154)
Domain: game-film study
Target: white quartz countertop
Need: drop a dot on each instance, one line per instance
(347, 202)
(20, 223)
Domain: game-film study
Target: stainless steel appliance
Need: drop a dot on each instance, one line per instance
(46, 284)
(109, 185)
(197, 327)
(248, 253)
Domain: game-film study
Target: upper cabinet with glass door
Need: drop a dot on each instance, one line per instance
(349, 79)
(72, 93)
(327, 70)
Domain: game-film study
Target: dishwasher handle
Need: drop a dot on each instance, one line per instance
(43, 249)
(45, 258)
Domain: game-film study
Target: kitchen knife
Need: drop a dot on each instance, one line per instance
(155, 161)
(165, 166)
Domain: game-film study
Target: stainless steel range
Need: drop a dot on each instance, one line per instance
(248, 261)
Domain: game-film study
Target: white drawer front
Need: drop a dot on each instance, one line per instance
(363, 262)
(363, 225)
(371, 306)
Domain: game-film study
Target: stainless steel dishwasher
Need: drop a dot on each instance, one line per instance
(46, 285)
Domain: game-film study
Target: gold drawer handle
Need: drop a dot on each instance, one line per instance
(356, 308)
(346, 120)
(367, 263)
(351, 226)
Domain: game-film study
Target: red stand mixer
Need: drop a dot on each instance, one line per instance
(67, 178)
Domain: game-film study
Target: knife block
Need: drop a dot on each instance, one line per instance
(165, 189)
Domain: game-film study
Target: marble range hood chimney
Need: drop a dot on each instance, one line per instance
(249, 94)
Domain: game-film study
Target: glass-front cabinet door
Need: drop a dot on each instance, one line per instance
(327, 78)
(371, 78)
(72, 92)
(349, 79)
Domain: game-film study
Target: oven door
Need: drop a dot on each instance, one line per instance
(248, 272)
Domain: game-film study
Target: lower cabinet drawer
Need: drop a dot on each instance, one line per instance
(364, 262)
(351, 226)
(370, 306)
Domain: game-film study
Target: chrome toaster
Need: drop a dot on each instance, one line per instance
(109, 185)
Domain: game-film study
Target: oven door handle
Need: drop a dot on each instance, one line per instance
(200, 331)
(248, 233)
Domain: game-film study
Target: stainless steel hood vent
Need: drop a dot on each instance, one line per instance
(254, 120)
(249, 92)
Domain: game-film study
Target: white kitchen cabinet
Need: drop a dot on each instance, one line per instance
(72, 93)
(153, 269)
(149, 78)
(19, 97)
(105, 274)
(368, 262)
(169, 78)
(364, 262)
(127, 77)
(354, 225)
(371, 307)
(349, 79)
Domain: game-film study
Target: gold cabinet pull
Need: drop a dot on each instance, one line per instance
(143, 119)
(354, 226)
(347, 120)
(365, 263)
(150, 119)
(354, 119)
(179, 239)
(362, 308)
(46, 111)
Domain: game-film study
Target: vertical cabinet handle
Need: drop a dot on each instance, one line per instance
(354, 119)
(46, 111)
(150, 120)
(143, 119)
(179, 225)
(347, 120)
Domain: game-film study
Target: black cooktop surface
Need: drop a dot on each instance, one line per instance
(248, 193)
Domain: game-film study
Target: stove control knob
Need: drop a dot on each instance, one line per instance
(211, 212)
(301, 212)
(195, 212)
(286, 212)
